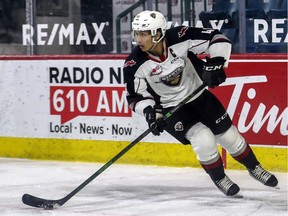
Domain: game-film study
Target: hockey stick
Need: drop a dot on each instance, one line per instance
(50, 204)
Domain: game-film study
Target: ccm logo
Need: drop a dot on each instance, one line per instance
(221, 118)
(213, 67)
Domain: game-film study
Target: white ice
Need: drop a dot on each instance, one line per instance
(126, 190)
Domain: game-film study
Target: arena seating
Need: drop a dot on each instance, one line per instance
(267, 10)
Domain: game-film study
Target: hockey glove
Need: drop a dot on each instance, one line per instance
(213, 71)
(155, 120)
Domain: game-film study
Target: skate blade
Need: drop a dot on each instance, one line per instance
(237, 196)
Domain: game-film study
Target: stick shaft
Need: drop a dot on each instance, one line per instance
(104, 167)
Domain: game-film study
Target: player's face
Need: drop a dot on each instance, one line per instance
(144, 40)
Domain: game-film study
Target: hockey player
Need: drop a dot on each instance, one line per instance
(163, 69)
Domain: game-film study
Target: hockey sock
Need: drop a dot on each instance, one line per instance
(247, 158)
(215, 169)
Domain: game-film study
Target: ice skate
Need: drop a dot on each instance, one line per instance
(264, 176)
(228, 187)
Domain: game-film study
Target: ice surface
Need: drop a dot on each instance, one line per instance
(130, 190)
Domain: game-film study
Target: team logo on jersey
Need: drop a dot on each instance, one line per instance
(174, 78)
(129, 63)
(182, 32)
(156, 71)
(178, 126)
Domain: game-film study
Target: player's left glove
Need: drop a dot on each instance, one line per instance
(155, 120)
(213, 71)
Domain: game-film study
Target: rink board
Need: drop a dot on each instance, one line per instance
(162, 154)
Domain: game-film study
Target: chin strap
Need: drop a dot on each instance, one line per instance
(152, 47)
(155, 42)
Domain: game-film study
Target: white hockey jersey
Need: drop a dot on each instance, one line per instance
(151, 80)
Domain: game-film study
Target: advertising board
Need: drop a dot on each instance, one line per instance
(85, 99)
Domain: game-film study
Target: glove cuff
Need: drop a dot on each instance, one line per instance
(147, 112)
(217, 59)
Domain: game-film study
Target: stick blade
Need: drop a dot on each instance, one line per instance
(38, 202)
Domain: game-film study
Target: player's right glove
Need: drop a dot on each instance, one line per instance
(213, 71)
(155, 120)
